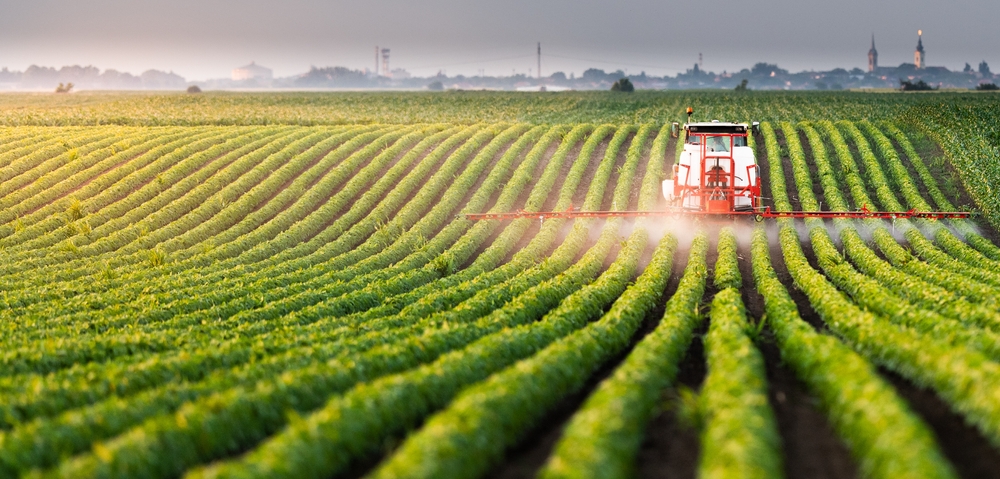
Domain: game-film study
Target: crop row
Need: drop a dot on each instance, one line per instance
(89, 191)
(872, 292)
(923, 359)
(603, 437)
(156, 173)
(222, 356)
(739, 436)
(856, 400)
(110, 236)
(911, 287)
(48, 187)
(427, 346)
(75, 424)
(130, 287)
(179, 292)
(182, 395)
(207, 272)
(126, 212)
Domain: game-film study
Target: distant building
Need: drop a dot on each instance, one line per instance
(399, 74)
(252, 71)
(872, 57)
(919, 58)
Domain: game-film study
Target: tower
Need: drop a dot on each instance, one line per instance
(872, 56)
(385, 63)
(539, 60)
(919, 59)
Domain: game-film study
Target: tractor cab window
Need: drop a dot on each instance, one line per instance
(739, 141)
(693, 139)
(717, 143)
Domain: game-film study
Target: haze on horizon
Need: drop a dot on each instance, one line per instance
(207, 38)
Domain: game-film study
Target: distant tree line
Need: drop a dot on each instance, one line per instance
(89, 77)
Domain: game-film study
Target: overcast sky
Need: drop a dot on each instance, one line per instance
(201, 39)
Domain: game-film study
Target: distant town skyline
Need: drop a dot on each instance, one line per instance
(208, 38)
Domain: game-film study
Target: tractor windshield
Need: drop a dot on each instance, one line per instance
(717, 143)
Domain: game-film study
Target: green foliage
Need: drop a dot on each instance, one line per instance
(623, 85)
(74, 211)
(603, 437)
(856, 400)
(727, 270)
(740, 436)
(291, 299)
(156, 257)
(919, 85)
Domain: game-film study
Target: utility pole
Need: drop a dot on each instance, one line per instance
(539, 60)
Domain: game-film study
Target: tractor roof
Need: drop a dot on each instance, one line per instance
(717, 127)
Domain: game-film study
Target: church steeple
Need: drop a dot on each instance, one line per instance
(872, 56)
(919, 58)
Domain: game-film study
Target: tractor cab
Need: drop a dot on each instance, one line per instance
(716, 171)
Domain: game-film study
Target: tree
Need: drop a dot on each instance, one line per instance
(766, 69)
(920, 85)
(594, 74)
(967, 69)
(743, 85)
(435, 86)
(623, 85)
(194, 89)
(984, 68)
(987, 87)
(64, 88)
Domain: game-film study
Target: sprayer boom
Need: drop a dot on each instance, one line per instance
(757, 214)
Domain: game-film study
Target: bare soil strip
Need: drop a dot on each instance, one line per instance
(609, 192)
(786, 167)
(588, 175)
(963, 445)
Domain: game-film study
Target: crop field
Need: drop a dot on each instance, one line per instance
(284, 285)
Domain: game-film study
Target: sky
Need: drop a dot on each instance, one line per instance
(203, 39)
